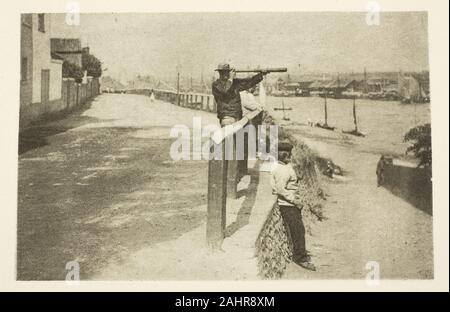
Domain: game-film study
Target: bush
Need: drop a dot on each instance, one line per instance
(92, 65)
(71, 70)
(420, 137)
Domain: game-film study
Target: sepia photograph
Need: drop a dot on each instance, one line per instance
(225, 146)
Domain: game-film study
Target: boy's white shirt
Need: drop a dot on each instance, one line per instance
(284, 182)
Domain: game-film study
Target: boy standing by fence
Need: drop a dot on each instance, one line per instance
(284, 183)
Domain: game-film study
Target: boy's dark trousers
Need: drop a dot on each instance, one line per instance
(292, 217)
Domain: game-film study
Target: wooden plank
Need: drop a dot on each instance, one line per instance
(233, 168)
(217, 200)
(220, 134)
(243, 164)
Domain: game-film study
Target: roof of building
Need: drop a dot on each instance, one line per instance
(340, 83)
(320, 83)
(305, 84)
(391, 87)
(292, 84)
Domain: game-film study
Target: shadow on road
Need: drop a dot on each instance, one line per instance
(243, 216)
(411, 184)
(37, 134)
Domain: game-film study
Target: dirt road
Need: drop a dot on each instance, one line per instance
(100, 184)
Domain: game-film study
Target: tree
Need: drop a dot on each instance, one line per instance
(420, 137)
(91, 64)
(71, 70)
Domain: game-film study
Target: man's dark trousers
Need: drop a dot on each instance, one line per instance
(292, 217)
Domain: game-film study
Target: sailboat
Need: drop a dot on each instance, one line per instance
(355, 131)
(284, 109)
(325, 124)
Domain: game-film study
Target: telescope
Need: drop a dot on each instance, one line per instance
(269, 70)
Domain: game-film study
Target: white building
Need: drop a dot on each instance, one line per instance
(41, 74)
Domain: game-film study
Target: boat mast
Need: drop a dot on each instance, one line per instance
(326, 110)
(354, 114)
(365, 81)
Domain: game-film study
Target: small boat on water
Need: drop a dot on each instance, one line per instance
(325, 124)
(284, 109)
(355, 131)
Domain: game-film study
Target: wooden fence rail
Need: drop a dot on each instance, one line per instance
(200, 101)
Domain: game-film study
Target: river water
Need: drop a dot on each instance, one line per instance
(384, 122)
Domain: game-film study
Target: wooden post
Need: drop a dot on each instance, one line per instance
(217, 200)
(243, 164)
(354, 114)
(233, 169)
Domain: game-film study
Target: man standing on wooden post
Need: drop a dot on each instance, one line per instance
(226, 91)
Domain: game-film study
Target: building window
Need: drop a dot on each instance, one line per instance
(23, 69)
(41, 22)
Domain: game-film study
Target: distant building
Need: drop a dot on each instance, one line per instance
(305, 85)
(340, 85)
(319, 85)
(291, 86)
(40, 72)
(69, 49)
(412, 89)
(304, 88)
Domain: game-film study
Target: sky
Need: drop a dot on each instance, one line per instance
(129, 44)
